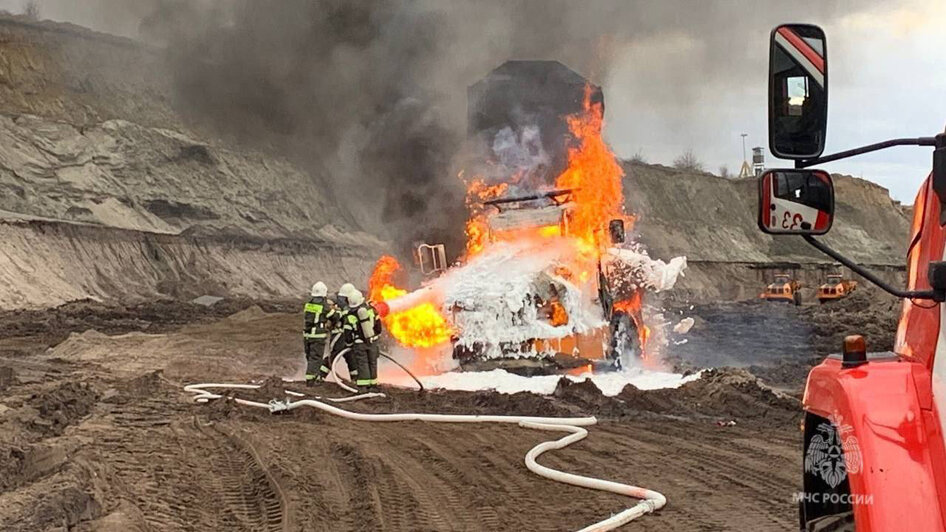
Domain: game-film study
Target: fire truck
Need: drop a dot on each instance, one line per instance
(874, 456)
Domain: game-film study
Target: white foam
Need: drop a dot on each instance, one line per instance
(495, 290)
(502, 381)
(654, 274)
(491, 300)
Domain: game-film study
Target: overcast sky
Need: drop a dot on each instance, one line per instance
(697, 79)
(886, 80)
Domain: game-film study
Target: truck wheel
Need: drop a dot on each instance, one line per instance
(623, 336)
(833, 523)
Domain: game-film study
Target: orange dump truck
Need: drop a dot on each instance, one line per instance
(784, 288)
(835, 288)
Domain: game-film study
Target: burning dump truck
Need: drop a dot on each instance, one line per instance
(547, 266)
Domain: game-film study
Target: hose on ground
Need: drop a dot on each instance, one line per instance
(204, 396)
(650, 500)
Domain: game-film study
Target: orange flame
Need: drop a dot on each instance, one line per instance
(559, 315)
(477, 228)
(421, 326)
(594, 175)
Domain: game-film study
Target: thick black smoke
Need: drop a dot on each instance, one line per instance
(371, 92)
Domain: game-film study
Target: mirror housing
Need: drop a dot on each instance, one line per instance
(798, 91)
(939, 175)
(796, 202)
(617, 231)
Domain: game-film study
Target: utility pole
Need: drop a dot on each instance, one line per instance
(746, 170)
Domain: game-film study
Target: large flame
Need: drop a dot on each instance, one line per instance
(477, 229)
(420, 326)
(594, 175)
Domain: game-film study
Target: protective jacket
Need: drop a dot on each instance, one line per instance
(362, 325)
(319, 314)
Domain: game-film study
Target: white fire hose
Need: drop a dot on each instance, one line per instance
(338, 380)
(651, 501)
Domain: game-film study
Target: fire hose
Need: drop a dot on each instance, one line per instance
(343, 385)
(650, 501)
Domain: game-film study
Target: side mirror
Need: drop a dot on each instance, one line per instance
(617, 231)
(432, 259)
(798, 91)
(939, 175)
(796, 202)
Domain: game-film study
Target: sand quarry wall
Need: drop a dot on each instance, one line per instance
(45, 264)
(107, 193)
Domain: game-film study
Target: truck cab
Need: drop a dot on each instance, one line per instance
(874, 455)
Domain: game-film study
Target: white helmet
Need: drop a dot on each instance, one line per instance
(319, 289)
(346, 289)
(355, 297)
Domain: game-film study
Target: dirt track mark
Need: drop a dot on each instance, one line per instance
(754, 474)
(362, 493)
(253, 498)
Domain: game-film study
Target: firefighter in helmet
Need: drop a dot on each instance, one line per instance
(318, 314)
(338, 342)
(363, 329)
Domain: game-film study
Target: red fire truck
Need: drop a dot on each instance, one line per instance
(874, 455)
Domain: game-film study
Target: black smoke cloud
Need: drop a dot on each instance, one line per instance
(369, 94)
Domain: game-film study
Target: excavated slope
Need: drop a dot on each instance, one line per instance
(106, 193)
(122, 174)
(98, 170)
(44, 264)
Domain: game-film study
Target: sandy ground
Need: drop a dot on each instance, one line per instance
(96, 434)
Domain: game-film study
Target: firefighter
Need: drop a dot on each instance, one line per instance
(317, 315)
(363, 328)
(338, 341)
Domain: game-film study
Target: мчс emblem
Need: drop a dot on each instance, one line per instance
(826, 452)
